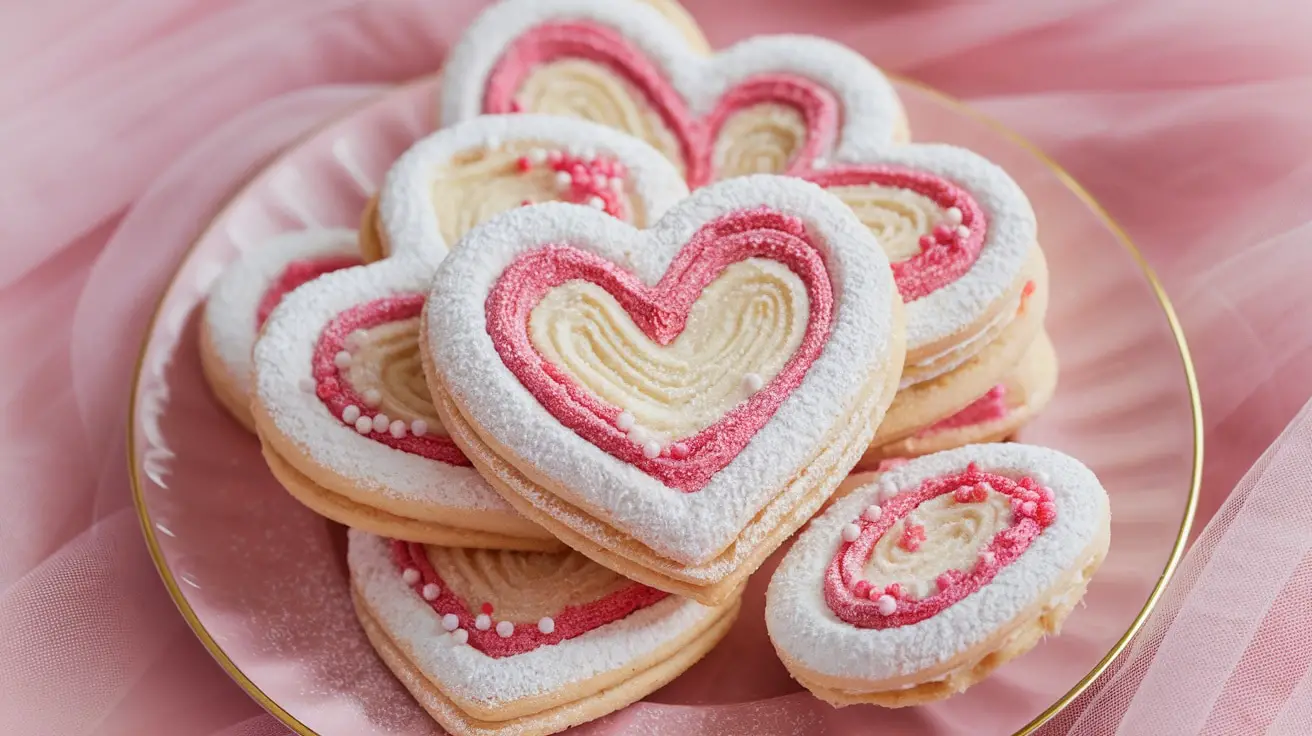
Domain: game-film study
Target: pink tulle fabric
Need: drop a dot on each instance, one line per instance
(1190, 122)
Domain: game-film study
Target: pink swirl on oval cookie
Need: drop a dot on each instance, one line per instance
(696, 137)
(986, 517)
(990, 407)
(661, 313)
(506, 638)
(296, 274)
(946, 252)
(332, 360)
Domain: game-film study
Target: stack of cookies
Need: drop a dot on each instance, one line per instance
(620, 328)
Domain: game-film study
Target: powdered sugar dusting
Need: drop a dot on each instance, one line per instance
(802, 625)
(689, 528)
(468, 674)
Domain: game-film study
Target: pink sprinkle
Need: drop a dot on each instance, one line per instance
(862, 589)
(1047, 513)
(523, 163)
(515, 106)
(1045, 493)
(678, 451)
(525, 202)
(971, 494)
(926, 242)
(554, 157)
(944, 581)
(1029, 508)
(912, 537)
(894, 589)
(486, 608)
(943, 233)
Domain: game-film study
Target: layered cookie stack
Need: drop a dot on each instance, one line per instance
(592, 372)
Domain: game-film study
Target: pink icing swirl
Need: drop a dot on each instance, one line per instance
(990, 407)
(570, 622)
(661, 312)
(604, 46)
(296, 274)
(945, 255)
(337, 393)
(852, 598)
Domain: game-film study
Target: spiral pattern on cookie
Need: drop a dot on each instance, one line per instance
(587, 90)
(523, 586)
(953, 535)
(387, 360)
(676, 390)
(760, 139)
(897, 217)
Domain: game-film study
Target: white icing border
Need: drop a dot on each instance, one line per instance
(468, 673)
(284, 354)
(803, 627)
(231, 308)
(871, 111)
(687, 527)
(1011, 234)
(405, 211)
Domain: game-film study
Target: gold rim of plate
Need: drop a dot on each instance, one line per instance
(1191, 378)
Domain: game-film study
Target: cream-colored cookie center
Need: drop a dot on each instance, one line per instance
(954, 536)
(897, 217)
(480, 183)
(522, 586)
(386, 360)
(747, 323)
(585, 89)
(760, 139)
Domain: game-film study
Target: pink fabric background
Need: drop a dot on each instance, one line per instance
(1191, 122)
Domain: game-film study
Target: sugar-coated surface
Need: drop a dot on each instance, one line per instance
(1011, 232)
(870, 108)
(687, 527)
(231, 308)
(467, 673)
(405, 208)
(802, 625)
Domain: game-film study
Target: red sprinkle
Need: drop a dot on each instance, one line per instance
(912, 537)
(486, 608)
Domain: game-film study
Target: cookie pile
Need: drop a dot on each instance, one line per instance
(621, 327)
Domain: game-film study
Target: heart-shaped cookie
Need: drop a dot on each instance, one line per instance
(917, 585)
(671, 402)
(492, 640)
(342, 406)
(963, 240)
(246, 293)
(771, 104)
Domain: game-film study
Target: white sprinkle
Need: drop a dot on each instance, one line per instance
(546, 625)
(625, 421)
(364, 425)
(887, 605)
(752, 382)
(887, 490)
(419, 428)
(342, 359)
(350, 413)
(873, 512)
(638, 436)
(564, 180)
(397, 429)
(596, 203)
(954, 215)
(430, 592)
(410, 576)
(987, 557)
(460, 636)
(483, 622)
(963, 231)
(537, 155)
(505, 629)
(450, 622)
(356, 339)
(1042, 478)
(925, 588)
(851, 532)
(306, 384)
(382, 422)
(373, 397)
(651, 449)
